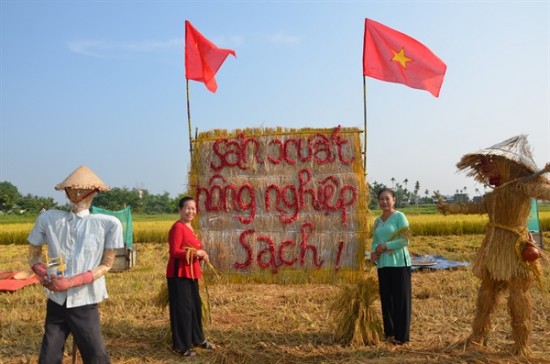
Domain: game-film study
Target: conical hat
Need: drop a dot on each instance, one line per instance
(83, 178)
(515, 149)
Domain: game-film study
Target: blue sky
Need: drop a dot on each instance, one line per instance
(102, 83)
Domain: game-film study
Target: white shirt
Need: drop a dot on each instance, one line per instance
(80, 240)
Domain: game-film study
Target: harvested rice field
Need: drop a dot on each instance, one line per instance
(275, 323)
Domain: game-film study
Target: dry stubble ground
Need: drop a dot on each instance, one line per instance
(261, 323)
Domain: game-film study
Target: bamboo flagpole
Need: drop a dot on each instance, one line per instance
(189, 118)
(364, 125)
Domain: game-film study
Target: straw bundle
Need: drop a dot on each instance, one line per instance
(356, 319)
(405, 232)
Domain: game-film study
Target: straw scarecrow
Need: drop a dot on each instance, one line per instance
(507, 258)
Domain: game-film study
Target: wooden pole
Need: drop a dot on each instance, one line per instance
(365, 125)
(189, 118)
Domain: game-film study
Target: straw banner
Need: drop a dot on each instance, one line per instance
(274, 199)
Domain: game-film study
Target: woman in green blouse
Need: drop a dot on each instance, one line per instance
(389, 252)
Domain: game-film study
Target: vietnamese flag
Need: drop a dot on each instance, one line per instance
(392, 56)
(202, 58)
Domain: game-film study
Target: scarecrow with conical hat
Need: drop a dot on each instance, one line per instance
(507, 258)
(80, 251)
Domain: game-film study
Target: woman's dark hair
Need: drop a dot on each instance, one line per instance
(392, 193)
(184, 200)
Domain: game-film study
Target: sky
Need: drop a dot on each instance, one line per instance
(102, 83)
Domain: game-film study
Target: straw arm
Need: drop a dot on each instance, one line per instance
(466, 208)
(535, 188)
(107, 262)
(35, 261)
(546, 169)
(35, 254)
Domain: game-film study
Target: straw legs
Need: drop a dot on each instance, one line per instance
(519, 308)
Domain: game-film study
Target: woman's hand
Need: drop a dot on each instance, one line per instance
(381, 248)
(202, 255)
(374, 257)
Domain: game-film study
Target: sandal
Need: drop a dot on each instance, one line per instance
(207, 345)
(187, 352)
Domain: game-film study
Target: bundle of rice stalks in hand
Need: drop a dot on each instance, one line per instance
(354, 314)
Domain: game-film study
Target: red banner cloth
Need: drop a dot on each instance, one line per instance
(202, 58)
(392, 56)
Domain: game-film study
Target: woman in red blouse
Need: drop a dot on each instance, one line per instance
(183, 273)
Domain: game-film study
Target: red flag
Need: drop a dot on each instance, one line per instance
(202, 58)
(389, 55)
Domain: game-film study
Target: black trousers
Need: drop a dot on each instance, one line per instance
(83, 323)
(185, 313)
(396, 300)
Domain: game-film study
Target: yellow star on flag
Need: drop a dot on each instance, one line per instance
(401, 57)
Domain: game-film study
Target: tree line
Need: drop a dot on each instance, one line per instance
(140, 200)
(415, 196)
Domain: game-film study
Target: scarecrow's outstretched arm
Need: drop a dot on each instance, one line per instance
(461, 208)
(538, 188)
(106, 263)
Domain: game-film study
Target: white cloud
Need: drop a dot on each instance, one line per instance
(107, 49)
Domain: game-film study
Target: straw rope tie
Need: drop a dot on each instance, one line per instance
(519, 231)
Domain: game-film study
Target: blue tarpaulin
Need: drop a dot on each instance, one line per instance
(428, 261)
